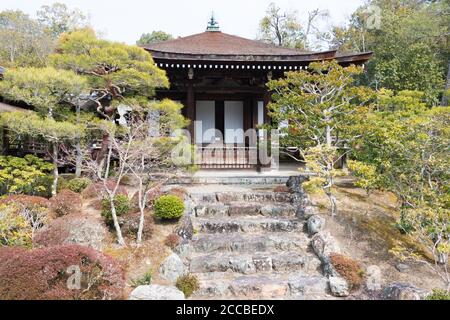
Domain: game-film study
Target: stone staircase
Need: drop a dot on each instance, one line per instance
(249, 244)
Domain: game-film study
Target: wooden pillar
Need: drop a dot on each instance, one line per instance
(190, 109)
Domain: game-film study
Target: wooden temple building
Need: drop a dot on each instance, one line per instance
(221, 81)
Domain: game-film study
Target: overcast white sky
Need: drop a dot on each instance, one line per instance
(126, 20)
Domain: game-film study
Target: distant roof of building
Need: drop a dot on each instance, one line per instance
(220, 46)
(219, 43)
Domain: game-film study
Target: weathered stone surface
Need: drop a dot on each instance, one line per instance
(185, 228)
(315, 224)
(401, 267)
(184, 249)
(278, 210)
(302, 286)
(227, 197)
(215, 210)
(237, 242)
(374, 278)
(261, 287)
(156, 292)
(262, 264)
(323, 244)
(239, 209)
(248, 225)
(172, 268)
(203, 197)
(288, 262)
(403, 291)
(339, 287)
(294, 183)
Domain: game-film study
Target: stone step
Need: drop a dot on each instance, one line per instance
(247, 224)
(253, 263)
(238, 242)
(243, 209)
(263, 287)
(253, 196)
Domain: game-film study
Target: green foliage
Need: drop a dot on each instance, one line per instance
(169, 207)
(407, 145)
(58, 18)
(439, 294)
(188, 284)
(78, 184)
(367, 174)
(333, 102)
(31, 124)
(145, 280)
(154, 37)
(122, 204)
(319, 106)
(23, 175)
(118, 69)
(410, 45)
(45, 89)
(14, 228)
(23, 41)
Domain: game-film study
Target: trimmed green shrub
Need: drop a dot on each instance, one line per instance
(188, 284)
(439, 294)
(145, 280)
(122, 204)
(78, 184)
(169, 207)
(27, 175)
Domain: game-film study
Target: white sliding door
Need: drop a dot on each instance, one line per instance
(205, 124)
(234, 122)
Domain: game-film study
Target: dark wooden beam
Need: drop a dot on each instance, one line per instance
(190, 109)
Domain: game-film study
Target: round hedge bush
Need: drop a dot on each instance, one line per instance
(169, 207)
(78, 185)
(122, 204)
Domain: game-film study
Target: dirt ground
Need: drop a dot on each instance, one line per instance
(137, 260)
(365, 229)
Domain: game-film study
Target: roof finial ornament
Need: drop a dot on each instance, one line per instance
(213, 25)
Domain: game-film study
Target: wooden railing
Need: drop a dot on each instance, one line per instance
(226, 157)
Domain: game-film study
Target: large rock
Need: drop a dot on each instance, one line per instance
(339, 287)
(323, 244)
(185, 228)
(315, 224)
(300, 200)
(172, 268)
(294, 183)
(374, 278)
(156, 292)
(403, 291)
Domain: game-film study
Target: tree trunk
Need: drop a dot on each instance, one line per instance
(328, 130)
(119, 235)
(142, 205)
(79, 159)
(141, 223)
(55, 169)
